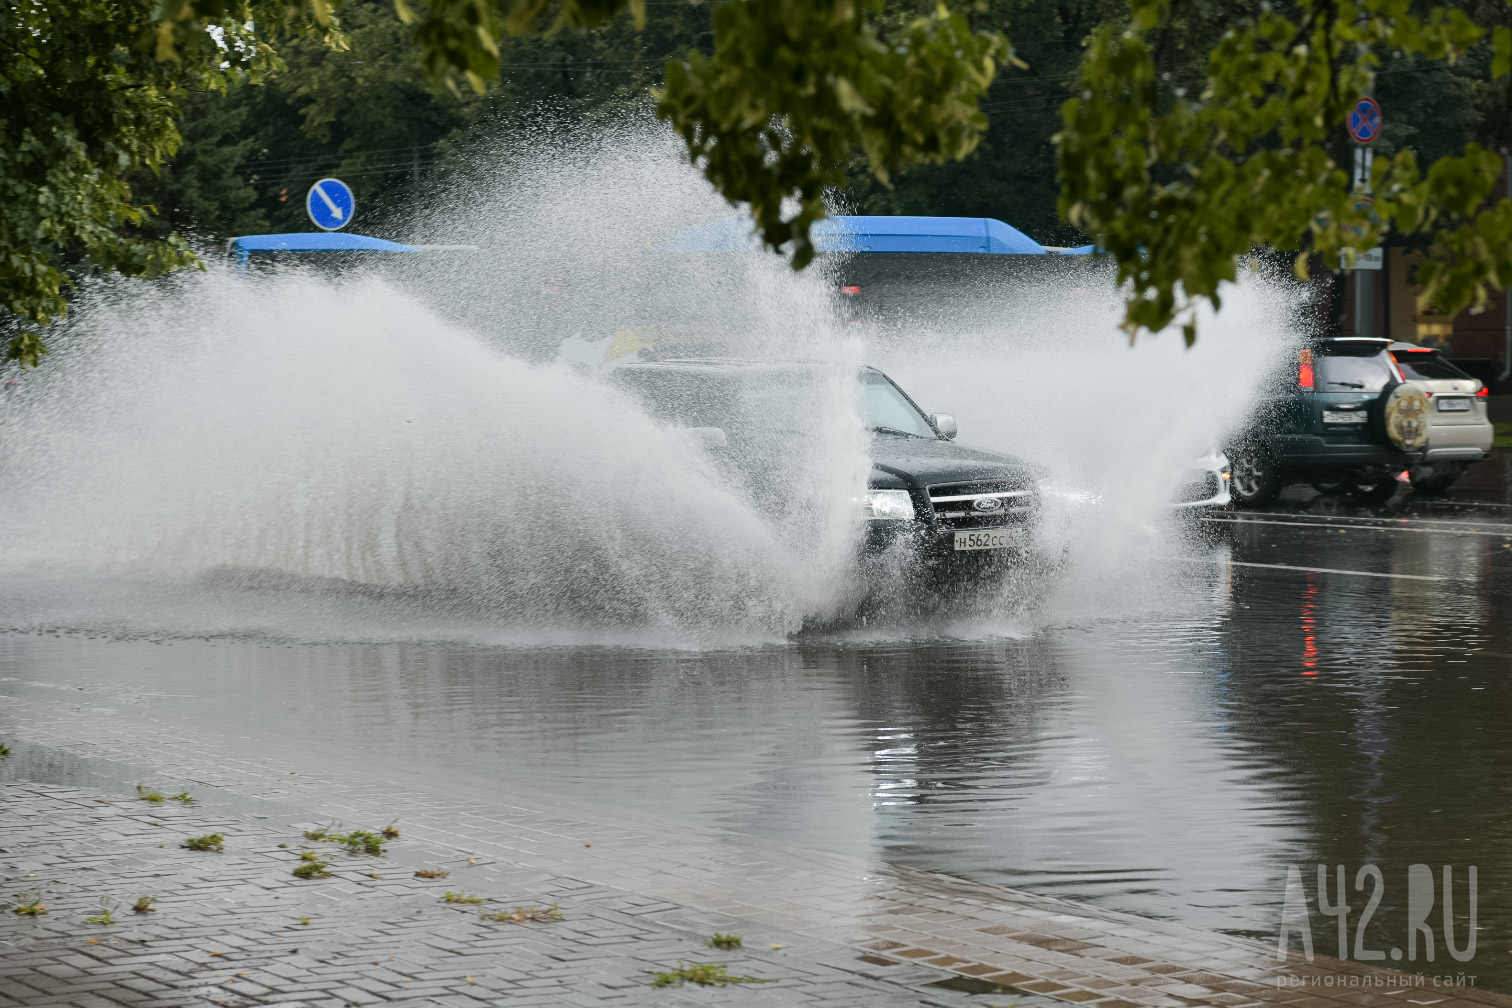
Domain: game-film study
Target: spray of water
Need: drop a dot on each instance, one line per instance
(419, 442)
(1042, 369)
(414, 438)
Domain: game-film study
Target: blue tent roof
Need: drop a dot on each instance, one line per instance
(869, 234)
(315, 241)
(241, 249)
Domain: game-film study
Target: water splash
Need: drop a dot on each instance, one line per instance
(413, 437)
(247, 428)
(408, 456)
(1041, 368)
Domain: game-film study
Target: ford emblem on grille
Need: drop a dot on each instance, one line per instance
(987, 504)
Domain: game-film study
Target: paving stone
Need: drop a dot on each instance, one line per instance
(220, 930)
(637, 897)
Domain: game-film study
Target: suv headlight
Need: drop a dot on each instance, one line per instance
(889, 504)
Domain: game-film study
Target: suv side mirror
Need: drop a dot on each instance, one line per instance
(944, 424)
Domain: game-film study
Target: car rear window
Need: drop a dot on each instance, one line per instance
(1428, 365)
(1345, 368)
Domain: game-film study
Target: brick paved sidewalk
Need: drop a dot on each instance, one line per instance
(855, 932)
(237, 928)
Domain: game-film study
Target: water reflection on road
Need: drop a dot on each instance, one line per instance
(1272, 712)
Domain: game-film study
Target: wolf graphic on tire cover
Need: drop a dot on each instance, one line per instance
(1407, 418)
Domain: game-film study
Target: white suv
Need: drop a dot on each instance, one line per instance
(1459, 432)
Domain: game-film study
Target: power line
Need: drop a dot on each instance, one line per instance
(274, 163)
(394, 160)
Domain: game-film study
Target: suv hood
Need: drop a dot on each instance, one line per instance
(925, 461)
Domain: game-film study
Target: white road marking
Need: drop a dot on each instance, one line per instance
(1362, 520)
(1363, 528)
(1336, 570)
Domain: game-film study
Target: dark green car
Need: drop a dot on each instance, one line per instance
(1340, 417)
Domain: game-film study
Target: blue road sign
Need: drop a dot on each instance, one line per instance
(330, 204)
(1365, 121)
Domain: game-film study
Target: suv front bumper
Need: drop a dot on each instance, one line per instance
(922, 562)
(923, 550)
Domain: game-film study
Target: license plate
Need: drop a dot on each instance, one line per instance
(1339, 416)
(989, 539)
(1453, 405)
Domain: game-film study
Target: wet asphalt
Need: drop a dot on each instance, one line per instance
(1324, 684)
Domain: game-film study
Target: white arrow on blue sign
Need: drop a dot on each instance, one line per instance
(330, 204)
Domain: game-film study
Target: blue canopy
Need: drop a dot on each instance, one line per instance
(242, 248)
(869, 234)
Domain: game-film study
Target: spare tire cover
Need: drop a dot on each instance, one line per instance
(1407, 418)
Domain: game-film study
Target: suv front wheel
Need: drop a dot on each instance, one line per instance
(1255, 480)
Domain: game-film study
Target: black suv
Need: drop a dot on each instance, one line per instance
(1341, 417)
(947, 507)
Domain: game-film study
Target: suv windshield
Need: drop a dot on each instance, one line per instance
(763, 400)
(1346, 368)
(888, 410)
(1427, 365)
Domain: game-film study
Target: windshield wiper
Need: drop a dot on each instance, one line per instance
(1346, 384)
(893, 430)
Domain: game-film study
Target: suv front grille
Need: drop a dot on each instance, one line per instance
(955, 505)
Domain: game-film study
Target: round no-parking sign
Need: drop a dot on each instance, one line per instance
(1365, 120)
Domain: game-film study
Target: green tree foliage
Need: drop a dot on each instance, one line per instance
(790, 88)
(89, 93)
(365, 112)
(201, 191)
(1179, 178)
(369, 115)
(1193, 133)
(794, 85)
(1011, 174)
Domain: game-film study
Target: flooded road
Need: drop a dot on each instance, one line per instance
(1320, 685)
